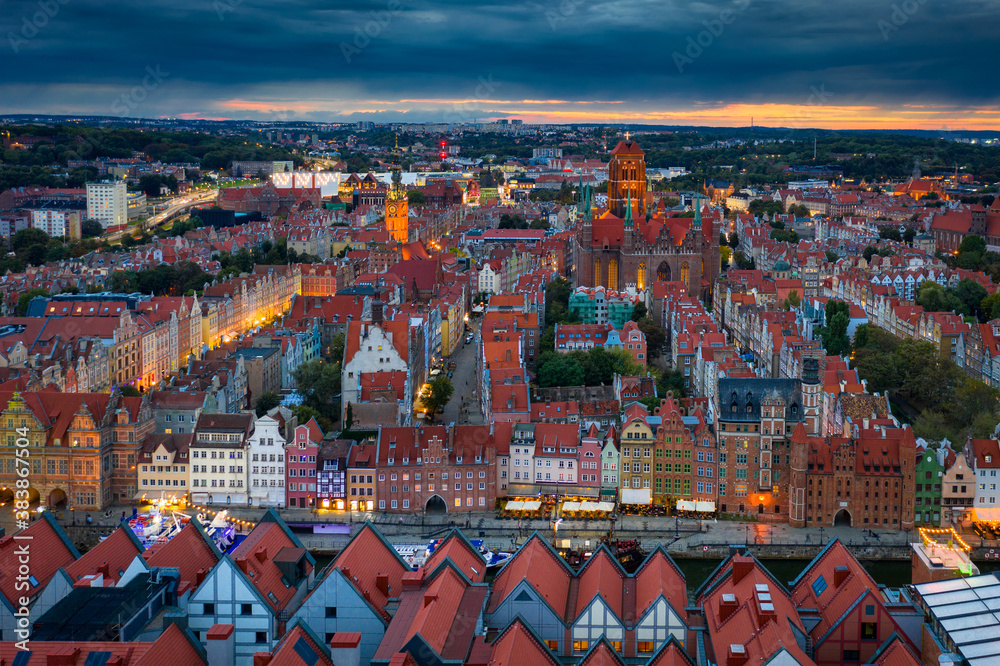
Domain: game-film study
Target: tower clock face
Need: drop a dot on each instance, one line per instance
(392, 210)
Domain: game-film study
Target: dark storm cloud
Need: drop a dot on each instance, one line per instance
(315, 59)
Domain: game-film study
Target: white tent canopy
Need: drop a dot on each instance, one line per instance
(514, 505)
(573, 506)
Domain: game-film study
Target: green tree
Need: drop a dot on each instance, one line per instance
(834, 334)
(792, 300)
(337, 349)
(638, 311)
(21, 309)
(560, 370)
(348, 417)
(91, 229)
(832, 256)
(672, 381)
(656, 337)
(319, 384)
(971, 295)
(25, 238)
(129, 391)
(890, 233)
(266, 402)
(441, 391)
(416, 197)
(972, 244)
(932, 297)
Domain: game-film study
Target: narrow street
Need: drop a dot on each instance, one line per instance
(463, 406)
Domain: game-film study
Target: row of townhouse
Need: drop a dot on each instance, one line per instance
(120, 340)
(265, 602)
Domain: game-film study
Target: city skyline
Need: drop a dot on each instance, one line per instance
(912, 65)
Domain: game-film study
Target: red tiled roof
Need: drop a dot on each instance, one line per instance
(895, 652)
(50, 550)
(110, 557)
(259, 550)
(517, 645)
(601, 576)
(602, 654)
(172, 647)
(367, 557)
(286, 652)
(986, 448)
(659, 575)
(190, 551)
(461, 553)
(544, 569)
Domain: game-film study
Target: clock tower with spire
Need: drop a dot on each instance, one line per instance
(397, 208)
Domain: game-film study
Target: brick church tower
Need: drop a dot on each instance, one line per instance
(397, 207)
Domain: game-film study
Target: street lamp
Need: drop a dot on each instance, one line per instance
(747, 529)
(821, 528)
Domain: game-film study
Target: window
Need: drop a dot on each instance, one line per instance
(852, 655)
(261, 637)
(869, 631)
(246, 609)
(581, 646)
(819, 585)
(208, 609)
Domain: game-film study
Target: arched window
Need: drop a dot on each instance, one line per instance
(597, 272)
(685, 273)
(612, 274)
(641, 275)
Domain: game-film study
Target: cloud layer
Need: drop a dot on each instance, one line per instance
(849, 63)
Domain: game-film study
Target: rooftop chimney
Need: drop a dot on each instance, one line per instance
(737, 655)
(242, 564)
(221, 645)
(727, 607)
(741, 567)
(199, 576)
(345, 648)
(261, 658)
(261, 554)
(382, 583)
(840, 574)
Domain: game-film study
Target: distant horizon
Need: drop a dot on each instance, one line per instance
(625, 124)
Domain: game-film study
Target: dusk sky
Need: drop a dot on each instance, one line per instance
(803, 63)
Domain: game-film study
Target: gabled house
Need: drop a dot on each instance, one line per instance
(357, 592)
(439, 614)
(254, 588)
(192, 552)
(104, 565)
(749, 617)
(572, 612)
(55, 551)
(842, 609)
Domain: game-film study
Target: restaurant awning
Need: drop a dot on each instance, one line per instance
(704, 506)
(572, 506)
(514, 505)
(607, 507)
(986, 514)
(589, 506)
(686, 505)
(532, 505)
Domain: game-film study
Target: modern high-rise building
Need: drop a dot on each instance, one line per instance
(57, 223)
(108, 203)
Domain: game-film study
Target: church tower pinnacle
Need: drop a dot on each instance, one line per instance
(397, 208)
